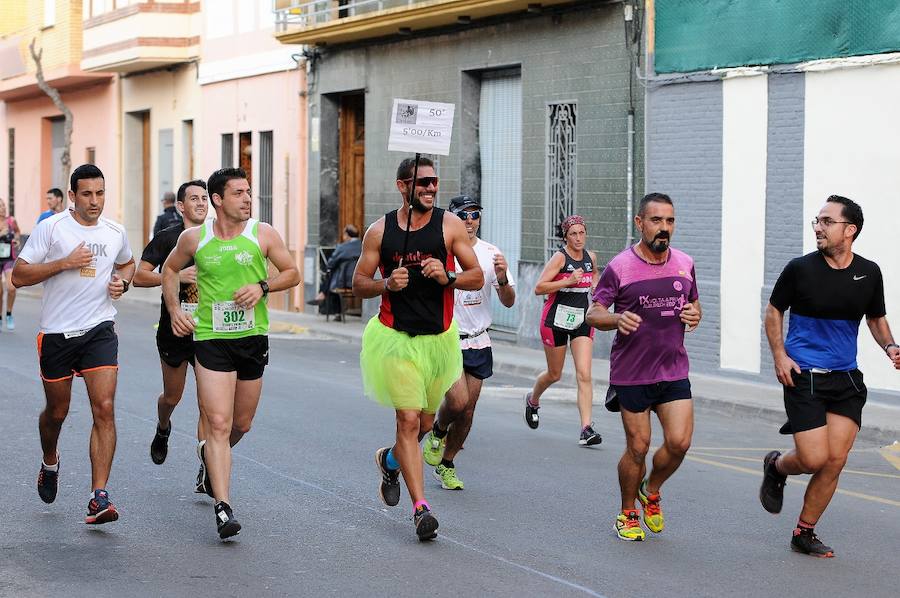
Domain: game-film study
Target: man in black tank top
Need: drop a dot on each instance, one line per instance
(410, 351)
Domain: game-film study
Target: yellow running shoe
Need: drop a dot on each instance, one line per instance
(447, 477)
(433, 449)
(628, 526)
(653, 515)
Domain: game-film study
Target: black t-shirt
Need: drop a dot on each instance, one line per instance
(424, 306)
(826, 306)
(156, 252)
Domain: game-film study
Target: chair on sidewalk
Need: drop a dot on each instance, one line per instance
(340, 285)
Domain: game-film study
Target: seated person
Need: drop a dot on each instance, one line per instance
(339, 270)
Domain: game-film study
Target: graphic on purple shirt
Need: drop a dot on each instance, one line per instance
(656, 292)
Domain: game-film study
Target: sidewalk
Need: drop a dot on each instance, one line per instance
(881, 420)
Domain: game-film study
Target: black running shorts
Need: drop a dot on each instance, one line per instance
(814, 394)
(174, 350)
(247, 356)
(640, 397)
(62, 355)
(478, 363)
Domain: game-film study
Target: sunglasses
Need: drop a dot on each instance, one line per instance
(474, 215)
(424, 181)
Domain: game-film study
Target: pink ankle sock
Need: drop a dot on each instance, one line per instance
(421, 503)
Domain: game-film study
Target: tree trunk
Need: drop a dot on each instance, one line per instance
(53, 94)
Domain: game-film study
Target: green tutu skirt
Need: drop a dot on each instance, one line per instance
(409, 372)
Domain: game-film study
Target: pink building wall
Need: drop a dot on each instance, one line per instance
(269, 102)
(95, 124)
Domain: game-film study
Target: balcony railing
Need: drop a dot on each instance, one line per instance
(343, 21)
(307, 13)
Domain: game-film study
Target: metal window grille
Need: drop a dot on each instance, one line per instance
(227, 150)
(562, 176)
(12, 172)
(266, 166)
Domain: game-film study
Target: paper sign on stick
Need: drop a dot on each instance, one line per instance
(421, 127)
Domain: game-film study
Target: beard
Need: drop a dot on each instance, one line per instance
(659, 243)
(417, 205)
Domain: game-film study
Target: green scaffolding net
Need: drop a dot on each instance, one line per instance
(698, 35)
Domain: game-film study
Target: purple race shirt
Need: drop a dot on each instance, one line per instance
(656, 292)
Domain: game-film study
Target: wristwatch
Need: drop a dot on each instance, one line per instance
(451, 278)
(265, 287)
(890, 345)
(504, 283)
(127, 284)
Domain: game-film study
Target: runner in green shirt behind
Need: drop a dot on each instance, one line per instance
(231, 322)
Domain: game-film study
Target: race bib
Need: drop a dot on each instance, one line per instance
(5, 250)
(90, 271)
(470, 298)
(228, 317)
(188, 308)
(568, 318)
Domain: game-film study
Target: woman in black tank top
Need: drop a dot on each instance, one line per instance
(568, 280)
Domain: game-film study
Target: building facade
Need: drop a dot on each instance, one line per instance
(153, 48)
(32, 126)
(253, 101)
(750, 135)
(548, 119)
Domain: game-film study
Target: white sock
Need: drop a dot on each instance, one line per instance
(54, 467)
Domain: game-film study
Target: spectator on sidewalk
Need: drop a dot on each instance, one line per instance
(169, 216)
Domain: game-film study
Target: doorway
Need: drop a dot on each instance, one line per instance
(351, 162)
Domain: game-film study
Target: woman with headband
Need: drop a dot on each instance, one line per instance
(567, 280)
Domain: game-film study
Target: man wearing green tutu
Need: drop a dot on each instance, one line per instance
(410, 351)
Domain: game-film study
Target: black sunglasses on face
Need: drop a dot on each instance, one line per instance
(424, 181)
(474, 214)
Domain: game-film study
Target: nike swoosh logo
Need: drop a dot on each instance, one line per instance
(860, 277)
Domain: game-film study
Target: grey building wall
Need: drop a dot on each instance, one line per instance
(784, 187)
(684, 160)
(578, 54)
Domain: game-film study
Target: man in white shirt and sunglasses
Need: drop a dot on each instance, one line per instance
(472, 312)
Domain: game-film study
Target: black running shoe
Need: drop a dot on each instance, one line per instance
(225, 522)
(426, 524)
(48, 483)
(204, 485)
(389, 490)
(100, 510)
(159, 447)
(806, 541)
(531, 413)
(589, 437)
(771, 492)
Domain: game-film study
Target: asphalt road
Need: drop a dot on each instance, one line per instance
(535, 518)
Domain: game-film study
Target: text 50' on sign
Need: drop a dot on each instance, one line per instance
(421, 127)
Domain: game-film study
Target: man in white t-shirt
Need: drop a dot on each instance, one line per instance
(472, 312)
(84, 262)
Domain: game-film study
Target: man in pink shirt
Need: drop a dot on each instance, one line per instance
(654, 291)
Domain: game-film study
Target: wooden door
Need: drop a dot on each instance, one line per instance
(351, 176)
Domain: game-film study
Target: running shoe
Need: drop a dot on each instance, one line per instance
(628, 526)
(225, 522)
(589, 437)
(204, 485)
(433, 449)
(653, 515)
(10, 323)
(806, 541)
(159, 446)
(771, 492)
(531, 413)
(389, 490)
(447, 477)
(100, 510)
(48, 482)
(426, 524)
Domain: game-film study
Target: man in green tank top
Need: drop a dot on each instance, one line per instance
(231, 322)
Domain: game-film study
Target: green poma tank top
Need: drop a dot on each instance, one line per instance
(224, 266)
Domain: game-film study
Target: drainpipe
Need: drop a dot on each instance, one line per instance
(629, 176)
